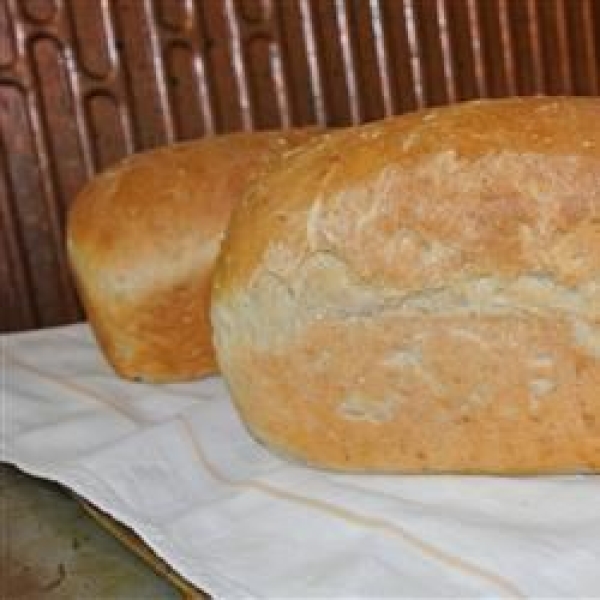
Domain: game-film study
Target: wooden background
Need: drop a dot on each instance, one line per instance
(85, 82)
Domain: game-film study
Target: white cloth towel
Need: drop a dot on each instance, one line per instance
(175, 464)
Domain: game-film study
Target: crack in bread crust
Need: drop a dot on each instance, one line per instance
(424, 294)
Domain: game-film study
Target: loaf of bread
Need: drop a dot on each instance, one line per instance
(422, 294)
(142, 241)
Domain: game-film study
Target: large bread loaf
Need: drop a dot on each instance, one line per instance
(142, 241)
(423, 293)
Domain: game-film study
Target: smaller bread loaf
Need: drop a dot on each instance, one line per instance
(423, 293)
(142, 241)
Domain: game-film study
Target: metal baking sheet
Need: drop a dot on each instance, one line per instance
(84, 83)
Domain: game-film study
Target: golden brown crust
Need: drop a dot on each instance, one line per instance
(142, 241)
(423, 293)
